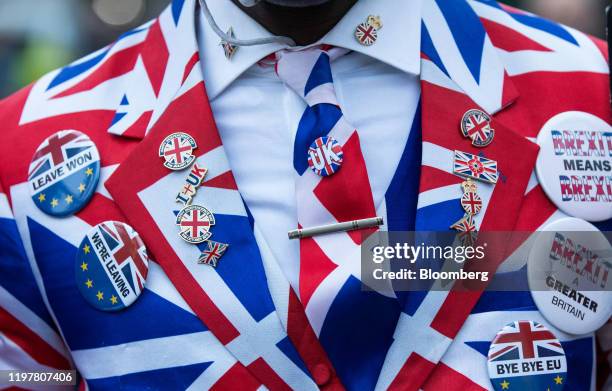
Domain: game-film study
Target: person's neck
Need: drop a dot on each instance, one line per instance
(305, 25)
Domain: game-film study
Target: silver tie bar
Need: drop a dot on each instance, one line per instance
(337, 227)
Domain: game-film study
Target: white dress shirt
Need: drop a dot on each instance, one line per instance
(257, 115)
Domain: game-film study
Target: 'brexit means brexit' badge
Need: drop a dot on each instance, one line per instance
(525, 355)
(111, 266)
(64, 173)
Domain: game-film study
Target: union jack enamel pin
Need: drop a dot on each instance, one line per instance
(470, 201)
(195, 222)
(475, 167)
(467, 230)
(213, 253)
(366, 33)
(177, 151)
(476, 125)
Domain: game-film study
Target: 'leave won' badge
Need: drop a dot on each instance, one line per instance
(64, 173)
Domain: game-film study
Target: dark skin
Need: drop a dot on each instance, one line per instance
(305, 25)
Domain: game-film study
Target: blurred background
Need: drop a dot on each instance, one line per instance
(37, 36)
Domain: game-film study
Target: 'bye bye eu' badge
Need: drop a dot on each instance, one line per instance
(574, 166)
(64, 173)
(525, 355)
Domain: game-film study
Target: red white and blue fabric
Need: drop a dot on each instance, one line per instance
(109, 351)
(488, 52)
(28, 336)
(329, 281)
(241, 324)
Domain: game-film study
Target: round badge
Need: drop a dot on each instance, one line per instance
(64, 173)
(195, 222)
(568, 272)
(111, 266)
(471, 203)
(476, 125)
(574, 166)
(177, 151)
(366, 34)
(525, 355)
(325, 156)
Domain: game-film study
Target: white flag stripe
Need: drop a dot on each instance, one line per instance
(145, 355)
(31, 321)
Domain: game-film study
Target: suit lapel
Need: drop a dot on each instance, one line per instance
(460, 70)
(233, 299)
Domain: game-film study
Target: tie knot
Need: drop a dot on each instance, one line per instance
(308, 73)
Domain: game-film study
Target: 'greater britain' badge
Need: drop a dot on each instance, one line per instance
(64, 173)
(111, 266)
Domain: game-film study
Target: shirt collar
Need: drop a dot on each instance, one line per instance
(398, 42)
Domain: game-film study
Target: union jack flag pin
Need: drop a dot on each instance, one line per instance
(195, 222)
(366, 33)
(476, 167)
(476, 125)
(470, 201)
(325, 156)
(177, 151)
(213, 253)
(466, 224)
(228, 48)
(467, 230)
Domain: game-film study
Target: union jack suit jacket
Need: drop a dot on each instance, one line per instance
(241, 326)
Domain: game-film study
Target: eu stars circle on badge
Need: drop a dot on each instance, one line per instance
(525, 355)
(325, 156)
(574, 165)
(111, 266)
(569, 272)
(64, 173)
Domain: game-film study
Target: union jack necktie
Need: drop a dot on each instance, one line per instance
(329, 270)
